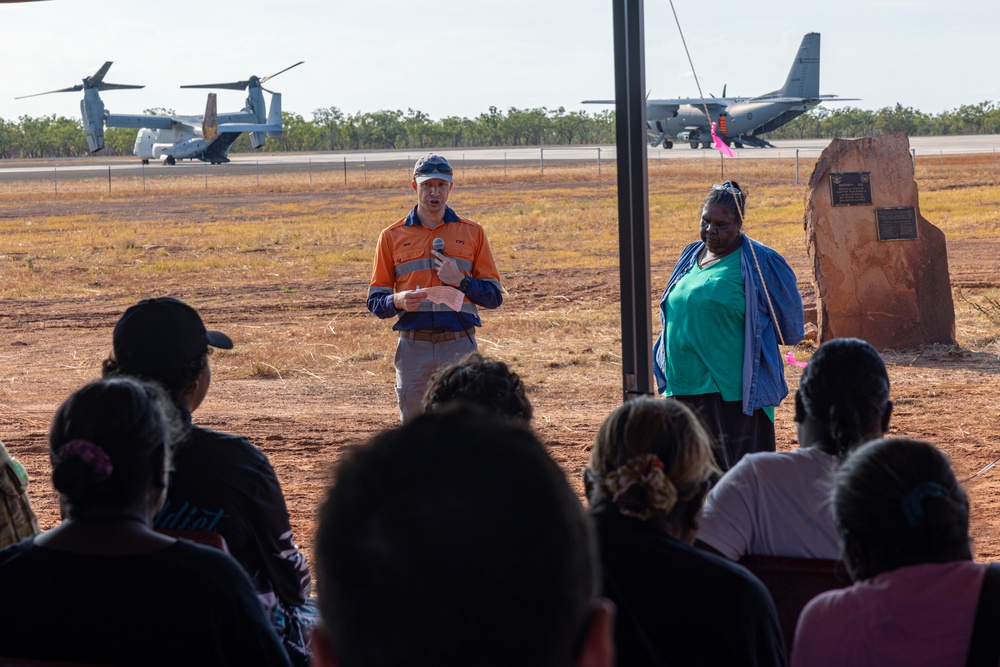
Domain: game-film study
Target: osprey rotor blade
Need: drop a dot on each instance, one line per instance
(71, 89)
(281, 72)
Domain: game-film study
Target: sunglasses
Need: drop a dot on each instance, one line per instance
(433, 167)
(728, 187)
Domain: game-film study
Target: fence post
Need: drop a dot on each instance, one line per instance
(598, 160)
(505, 163)
(206, 176)
(109, 178)
(143, 177)
(364, 167)
(913, 159)
(345, 170)
(310, 171)
(55, 178)
(777, 172)
(541, 159)
(258, 173)
(796, 166)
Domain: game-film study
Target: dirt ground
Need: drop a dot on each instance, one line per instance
(304, 421)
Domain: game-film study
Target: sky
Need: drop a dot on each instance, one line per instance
(460, 58)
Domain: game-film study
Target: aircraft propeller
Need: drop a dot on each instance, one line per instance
(95, 81)
(253, 81)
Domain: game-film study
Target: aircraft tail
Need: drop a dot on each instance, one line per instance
(274, 116)
(803, 78)
(210, 123)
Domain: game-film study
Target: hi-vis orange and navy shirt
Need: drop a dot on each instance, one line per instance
(403, 261)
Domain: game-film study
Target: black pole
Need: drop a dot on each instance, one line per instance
(633, 199)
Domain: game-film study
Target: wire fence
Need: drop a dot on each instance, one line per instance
(388, 169)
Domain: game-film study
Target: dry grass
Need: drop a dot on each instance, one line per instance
(287, 234)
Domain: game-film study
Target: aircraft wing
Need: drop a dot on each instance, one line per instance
(248, 127)
(151, 122)
(693, 101)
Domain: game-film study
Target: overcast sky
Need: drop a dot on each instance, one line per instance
(459, 58)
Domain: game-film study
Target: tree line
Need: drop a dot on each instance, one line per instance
(331, 130)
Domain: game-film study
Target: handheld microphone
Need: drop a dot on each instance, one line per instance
(439, 245)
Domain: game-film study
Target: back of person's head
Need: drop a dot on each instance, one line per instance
(651, 458)
(165, 340)
(845, 388)
(896, 502)
(486, 382)
(454, 539)
(110, 444)
(730, 196)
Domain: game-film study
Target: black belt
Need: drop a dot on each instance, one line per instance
(430, 336)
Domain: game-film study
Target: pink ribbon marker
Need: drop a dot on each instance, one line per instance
(720, 145)
(790, 358)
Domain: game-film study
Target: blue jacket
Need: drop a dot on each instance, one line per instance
(763, 373)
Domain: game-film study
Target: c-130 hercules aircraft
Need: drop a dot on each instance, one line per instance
(171, 138)
(740, 120)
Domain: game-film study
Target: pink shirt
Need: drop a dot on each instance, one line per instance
(913, 616)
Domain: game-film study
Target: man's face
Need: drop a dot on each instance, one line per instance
(432, 194)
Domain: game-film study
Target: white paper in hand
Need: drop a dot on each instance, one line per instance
(446, 296)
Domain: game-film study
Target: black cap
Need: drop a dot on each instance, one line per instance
(163, 333)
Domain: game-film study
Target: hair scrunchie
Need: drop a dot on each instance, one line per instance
(913, 501)
(641, 489)
(96, 458)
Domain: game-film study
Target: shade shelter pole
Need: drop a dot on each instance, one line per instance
(633, 199)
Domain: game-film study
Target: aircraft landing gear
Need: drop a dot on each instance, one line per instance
(145, 161)
(707, 144)
(170, 160)
(738, 144)
(694, 144)
(668, 144)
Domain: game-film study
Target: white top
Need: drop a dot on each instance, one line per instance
(773, 504)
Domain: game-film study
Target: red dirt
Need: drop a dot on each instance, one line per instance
(305, 421)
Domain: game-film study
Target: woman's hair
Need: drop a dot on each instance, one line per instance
(626, 475)
(178, 381)
(111, 442)
(896, 502)
(729, 195)
(486, 382)
(845, 386)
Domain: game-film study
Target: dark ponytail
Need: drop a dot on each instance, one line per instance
(845, 386)
(110, 442)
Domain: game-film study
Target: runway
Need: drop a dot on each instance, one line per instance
(276, 163)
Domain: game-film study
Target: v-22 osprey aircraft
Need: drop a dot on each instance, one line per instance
(739, 120)
(171, 138)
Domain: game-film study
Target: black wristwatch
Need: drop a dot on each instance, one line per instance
(465, 284)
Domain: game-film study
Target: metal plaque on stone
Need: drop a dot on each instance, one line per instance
(851, 188)
(896, 223)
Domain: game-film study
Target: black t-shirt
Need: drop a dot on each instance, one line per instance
(182, 605)
(224, 484)
(678, 605)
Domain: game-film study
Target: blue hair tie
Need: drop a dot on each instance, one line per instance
(913, 501)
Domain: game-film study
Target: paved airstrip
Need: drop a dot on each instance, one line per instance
(274, 163)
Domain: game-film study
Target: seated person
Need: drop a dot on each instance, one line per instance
(777, 503)
(17, 520)
(220, 482)
(434, 552)
(903, 522)
(102, 586)
(650, 468)
(485, 382)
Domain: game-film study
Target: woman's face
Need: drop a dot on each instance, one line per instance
(720, 228)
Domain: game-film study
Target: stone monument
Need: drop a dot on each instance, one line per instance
(880, 269)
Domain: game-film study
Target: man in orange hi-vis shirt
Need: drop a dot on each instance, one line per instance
(417, 260)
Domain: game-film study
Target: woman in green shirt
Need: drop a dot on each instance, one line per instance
(729, 303)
